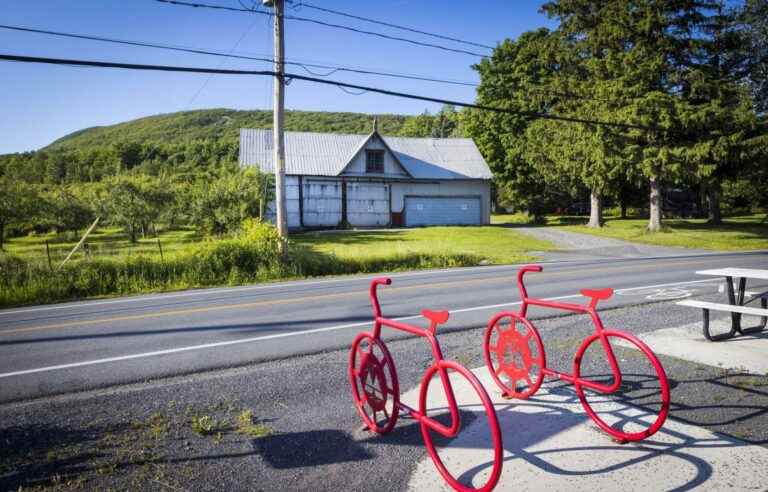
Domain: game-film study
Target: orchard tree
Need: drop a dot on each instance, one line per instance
(19, 204)
(67, 210)
(220, 206)
(136, 202)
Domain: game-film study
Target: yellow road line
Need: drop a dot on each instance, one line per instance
(440, 285)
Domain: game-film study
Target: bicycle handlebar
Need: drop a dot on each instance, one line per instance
(374, 297)
(520, 284)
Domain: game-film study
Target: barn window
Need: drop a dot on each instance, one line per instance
(374, 161)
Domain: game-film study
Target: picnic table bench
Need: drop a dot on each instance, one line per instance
(737, 304)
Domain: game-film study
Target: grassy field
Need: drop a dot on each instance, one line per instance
(735, 234)
(496, 245)
(111, 242)
(114, 266)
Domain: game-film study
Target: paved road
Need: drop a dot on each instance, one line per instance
(68, 347)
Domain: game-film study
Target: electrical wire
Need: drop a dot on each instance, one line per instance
(387, 24)
(326, 24)
(210, 75)
(169, 68)
(231, 54)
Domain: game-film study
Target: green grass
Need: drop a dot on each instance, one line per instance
(103, 242)
(735, 234)
(190, 262)
(495, 245)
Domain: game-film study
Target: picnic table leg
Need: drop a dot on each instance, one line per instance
(734, 301)
(763, 319)
(715, 338)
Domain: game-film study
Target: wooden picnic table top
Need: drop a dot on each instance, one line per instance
(736, 272)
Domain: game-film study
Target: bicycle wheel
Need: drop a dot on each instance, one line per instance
(373, 378)
(639, 405)
(514, 355)
(478, 427)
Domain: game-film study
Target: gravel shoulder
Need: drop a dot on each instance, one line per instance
(301, 430)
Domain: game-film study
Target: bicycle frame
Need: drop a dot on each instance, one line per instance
(429, 334)
(589, 309)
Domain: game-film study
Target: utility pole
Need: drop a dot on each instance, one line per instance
(278, 138)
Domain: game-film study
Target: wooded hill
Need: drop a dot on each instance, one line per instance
(187, 126)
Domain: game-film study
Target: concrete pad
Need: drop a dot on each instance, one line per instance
(746, 353)
(551, 444)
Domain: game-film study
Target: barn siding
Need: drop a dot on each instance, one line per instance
(368, 202)
(391, 168)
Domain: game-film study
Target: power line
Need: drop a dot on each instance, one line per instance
(395, 26)
(168, 68)
(208, 79)
(326, 24)
(305, 66)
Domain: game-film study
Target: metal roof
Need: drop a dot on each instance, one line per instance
(327, 154)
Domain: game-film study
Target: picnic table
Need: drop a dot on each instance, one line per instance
(737, 304)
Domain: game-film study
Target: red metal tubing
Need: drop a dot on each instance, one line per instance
(520, 284)
(566, 306)
(403, 327)
(374, 297)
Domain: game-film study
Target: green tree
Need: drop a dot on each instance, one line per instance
(135, 202)
(418, 126)
(18, 205)
(510, 79)
(67, 210)
(221, 205)
(754, 17)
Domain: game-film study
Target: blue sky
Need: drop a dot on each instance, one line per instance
(41, 103)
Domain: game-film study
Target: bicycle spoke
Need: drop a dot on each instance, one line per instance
(528, 380)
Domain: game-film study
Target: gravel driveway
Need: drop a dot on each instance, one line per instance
(575, 245)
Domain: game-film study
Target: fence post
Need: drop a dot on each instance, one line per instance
(159, 246)
(48, 254)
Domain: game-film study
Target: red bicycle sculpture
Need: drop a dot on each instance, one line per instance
(376, 392)
(517, 362)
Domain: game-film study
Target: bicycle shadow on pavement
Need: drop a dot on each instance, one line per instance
(310, 448)
(550, 442)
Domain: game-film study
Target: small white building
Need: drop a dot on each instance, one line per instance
(376, 181)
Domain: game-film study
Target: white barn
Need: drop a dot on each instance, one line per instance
(376, 181)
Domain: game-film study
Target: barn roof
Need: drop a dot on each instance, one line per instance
(327, 154)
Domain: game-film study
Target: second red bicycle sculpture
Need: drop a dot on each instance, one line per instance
(515, 357)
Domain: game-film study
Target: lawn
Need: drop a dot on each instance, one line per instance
(494, 245)
(735, 234)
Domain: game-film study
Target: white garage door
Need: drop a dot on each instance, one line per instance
(434, 210)
(367, 204)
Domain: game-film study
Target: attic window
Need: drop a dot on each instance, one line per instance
(374, 161)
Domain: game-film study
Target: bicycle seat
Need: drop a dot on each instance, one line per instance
(597, 294)
(436, 317)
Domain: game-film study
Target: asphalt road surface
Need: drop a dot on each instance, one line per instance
(70, 347)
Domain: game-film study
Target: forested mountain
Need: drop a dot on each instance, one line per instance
(187, 126)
